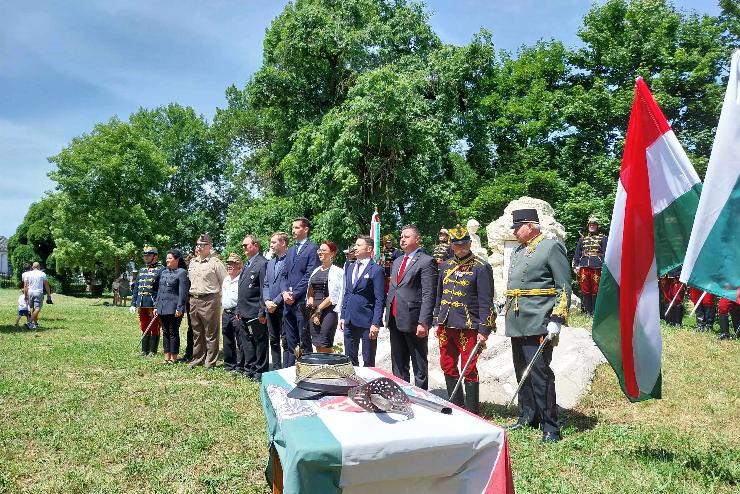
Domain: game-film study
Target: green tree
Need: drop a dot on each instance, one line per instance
(194, 198)
(110, 186)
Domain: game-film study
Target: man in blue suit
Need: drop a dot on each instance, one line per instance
(362, 304)
(273, 297)
(300, 262)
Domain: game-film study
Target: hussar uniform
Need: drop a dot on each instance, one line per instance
(705, 310)
(538, 294)
(672, 290)
(144, 298)
(587, 261)
(464, 308)
(442, 251)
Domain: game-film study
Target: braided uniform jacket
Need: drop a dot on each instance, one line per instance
(539, 266)
(144, 292)
(465, 294)
(590, 251)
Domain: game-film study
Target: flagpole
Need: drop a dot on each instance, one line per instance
(698, 302)
(673, 300)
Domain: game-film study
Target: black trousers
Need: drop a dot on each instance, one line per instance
(229, 325)
(405, 347)
(276, 337)
(297, 333)
(189, 336)
(170, 332)
(537, 404)
(253, 339)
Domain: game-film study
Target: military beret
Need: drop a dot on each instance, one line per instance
(205, 239)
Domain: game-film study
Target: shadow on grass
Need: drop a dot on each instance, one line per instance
(9, 329)
(712, 465)
(568, 418)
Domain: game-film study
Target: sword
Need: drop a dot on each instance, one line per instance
(467, 364)
(673, 300)
(697, 304)
(149, 326)
(527, 370)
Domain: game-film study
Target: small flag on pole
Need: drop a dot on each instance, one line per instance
(713, 255)
(657, 196)
(375, 235)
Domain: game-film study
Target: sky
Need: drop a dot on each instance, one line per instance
(67, 65)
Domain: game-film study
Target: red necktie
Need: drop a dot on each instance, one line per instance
(398, 280)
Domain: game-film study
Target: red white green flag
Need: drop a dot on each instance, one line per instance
(657, 196)
(375, 235)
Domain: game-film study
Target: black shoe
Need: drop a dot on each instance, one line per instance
(521, 424)
(724, 336)
(550, 437)
(182, 360)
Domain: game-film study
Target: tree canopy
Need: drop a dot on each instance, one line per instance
(359, 105)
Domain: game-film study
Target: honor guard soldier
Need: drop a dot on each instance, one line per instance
(587, 262)
(442, 251)
(464, 309)
(537, 303)
(673, 291)
(706, 310)
(143, 300)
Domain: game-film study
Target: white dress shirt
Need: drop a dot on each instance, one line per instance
(229, 292)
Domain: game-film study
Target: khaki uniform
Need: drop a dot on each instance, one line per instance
(206, 278)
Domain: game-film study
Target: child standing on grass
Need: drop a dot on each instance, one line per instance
(22, 309)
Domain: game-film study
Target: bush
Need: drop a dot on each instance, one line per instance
(54, 284)
(8, 284)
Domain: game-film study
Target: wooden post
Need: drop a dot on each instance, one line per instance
(277, 472)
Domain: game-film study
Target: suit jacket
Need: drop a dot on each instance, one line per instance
(415, 292)
(298, 268)
(272, 287)
(249, 302)
(172, 291)
(362, 304)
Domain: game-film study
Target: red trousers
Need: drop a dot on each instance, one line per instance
(695, 295)
(456, 344)
(146, 314)
(726, 305)
(588, 279)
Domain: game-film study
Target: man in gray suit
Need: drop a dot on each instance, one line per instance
(411, 296)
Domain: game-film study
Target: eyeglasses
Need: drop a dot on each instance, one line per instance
(244, 246)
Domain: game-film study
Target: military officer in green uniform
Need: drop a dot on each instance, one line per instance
(464, 310)
(537, 304)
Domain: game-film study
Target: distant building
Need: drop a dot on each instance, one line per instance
(4, 263)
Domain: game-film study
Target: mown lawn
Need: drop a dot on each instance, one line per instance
(80, 411)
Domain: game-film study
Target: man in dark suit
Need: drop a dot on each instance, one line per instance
(300, 262)
(272, 295)
(362, 304)
(253, 355)
(411, 295)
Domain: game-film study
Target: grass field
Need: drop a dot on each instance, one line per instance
(80, 411)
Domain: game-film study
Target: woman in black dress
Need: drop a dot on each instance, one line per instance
(172, 296)
(324, 298)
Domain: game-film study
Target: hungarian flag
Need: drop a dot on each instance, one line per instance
(713, 256)
(375, 235)
(657, 195)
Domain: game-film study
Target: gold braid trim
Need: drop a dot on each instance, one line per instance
(533, 243)
(515, 293)
(561, 307)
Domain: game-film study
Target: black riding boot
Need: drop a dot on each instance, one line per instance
(472, 402)
(724, 326)
(458, 399)
(153, 345)
(144, 345)
(586, 304)
(709, 316)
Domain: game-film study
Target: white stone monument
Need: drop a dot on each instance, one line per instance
(475, 246)
(501, 240)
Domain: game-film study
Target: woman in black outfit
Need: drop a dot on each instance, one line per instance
(172, 295)
(324, 298)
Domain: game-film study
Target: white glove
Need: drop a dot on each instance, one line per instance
(132, 309)
(553, 329)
